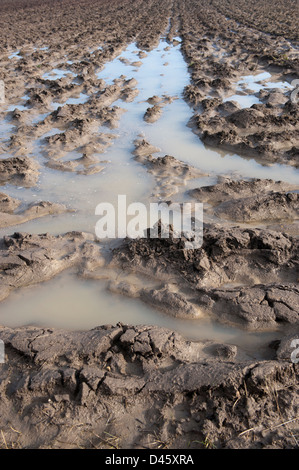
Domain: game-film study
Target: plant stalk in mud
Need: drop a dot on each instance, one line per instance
(175, 220)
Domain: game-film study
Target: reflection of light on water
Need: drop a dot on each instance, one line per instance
(15, 55)
(5, 130)
(39, 118)
(258, 82)
(255, 84)
(52, 132)
(19, 107)
(56, 74)
(245, 101)
(80, 100)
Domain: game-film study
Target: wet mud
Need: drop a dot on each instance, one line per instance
(73, 82)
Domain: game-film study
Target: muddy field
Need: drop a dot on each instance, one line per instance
(146, 343)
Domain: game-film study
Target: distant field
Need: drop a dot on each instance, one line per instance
(271, 16)
(25, 19)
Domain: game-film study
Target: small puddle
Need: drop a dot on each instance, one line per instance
(6, 130)
(262, 81)
(245, 101)
(56, 74)
(249, 86)
(15, 55)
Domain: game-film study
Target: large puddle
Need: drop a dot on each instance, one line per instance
(62, 301)
(72, 303)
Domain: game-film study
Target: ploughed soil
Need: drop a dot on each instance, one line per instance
(142, 387)
(123, 386)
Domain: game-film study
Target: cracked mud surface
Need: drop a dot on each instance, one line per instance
(136, 387)
(126, 386)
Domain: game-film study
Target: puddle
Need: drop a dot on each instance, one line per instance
(41, 48)
(20, 105)
(252, 85)
(53, 131)
(60, 302)
(15, 55)
(245, 101)
(56, 74)
(39, 118)
(79, 100)
(261, 81)
(99, 48)
(6, 130)
(170, 133)
(55, 105)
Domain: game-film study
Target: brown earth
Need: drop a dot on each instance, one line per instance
(142, 387)
(145, 387)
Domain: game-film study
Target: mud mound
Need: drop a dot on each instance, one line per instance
(228, 189)
(256, 200)
(170, 174)
(244, 257)
(275, 206)
(19, 170)
(29, 259)
(32, 211)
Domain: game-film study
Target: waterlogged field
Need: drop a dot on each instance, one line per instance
(162, 73)
(132, 340)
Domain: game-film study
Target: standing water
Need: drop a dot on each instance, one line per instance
(61, 301)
